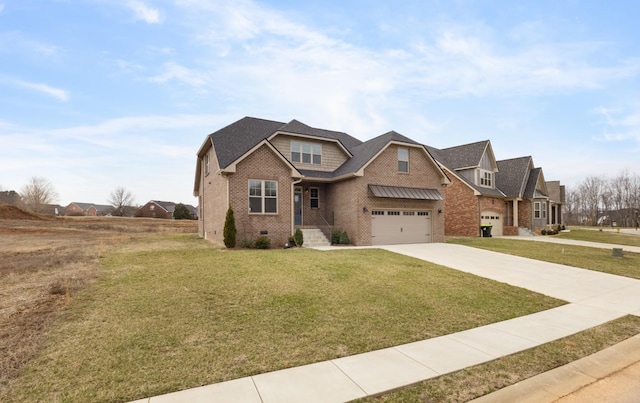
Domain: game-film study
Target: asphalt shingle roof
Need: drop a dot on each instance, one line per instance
(464, 156)
(512, 176)
(234, 140)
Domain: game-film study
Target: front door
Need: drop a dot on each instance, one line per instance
(297, 206)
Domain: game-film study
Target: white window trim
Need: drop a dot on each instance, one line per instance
(301, 145)
(536, 210)
(207, 164)
(263, 197)
(401, 160)
(482, 178)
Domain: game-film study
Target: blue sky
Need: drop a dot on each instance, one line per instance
(100, 94)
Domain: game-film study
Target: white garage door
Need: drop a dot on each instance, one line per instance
(494, 219)
(400, 226)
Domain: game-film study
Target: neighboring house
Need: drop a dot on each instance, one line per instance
(531, 202)
(278, 177)
(10, 197)
(53, 209)
(472, 199)
(163, 209)
(87, 209)
(556, 202)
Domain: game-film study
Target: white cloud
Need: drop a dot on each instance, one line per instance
(57, 93)
(175, 71)
(143, 12)
(620, 124)
(268, 58)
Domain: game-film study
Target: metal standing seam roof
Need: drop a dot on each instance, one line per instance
(401, 192)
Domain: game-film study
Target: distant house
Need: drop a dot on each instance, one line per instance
(53, 209)
(163, 209)
(87, 209)
(10, 197)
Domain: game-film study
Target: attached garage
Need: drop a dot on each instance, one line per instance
(494, 219)
(400, 226)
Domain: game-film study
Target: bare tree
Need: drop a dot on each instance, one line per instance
(121, 199)
(37, 193)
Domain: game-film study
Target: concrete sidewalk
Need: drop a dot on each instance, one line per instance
(563, 241)
(595, 298)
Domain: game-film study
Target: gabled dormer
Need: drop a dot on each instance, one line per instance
(313, 149)
(474, 162)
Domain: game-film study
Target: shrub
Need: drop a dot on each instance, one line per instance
(247, 243)
(229, 230)
(559, 228)
(298, 237)
(262, 242)
(543, 232)
(335, 237)
(291, 241)
(344, 238)
(181, 212)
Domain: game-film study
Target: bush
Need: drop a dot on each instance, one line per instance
(335, 237)
(181, 212)
(298, 237)
(344, 238)
(229, 230)
(543, 232)
(559, 228)
(262, 242)
(247, 243)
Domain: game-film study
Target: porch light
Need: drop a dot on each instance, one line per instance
(439, 211)
(365, 210)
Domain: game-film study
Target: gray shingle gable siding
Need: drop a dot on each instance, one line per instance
(297, 127)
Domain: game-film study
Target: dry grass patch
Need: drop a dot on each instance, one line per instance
(44, 264)
(166, 319)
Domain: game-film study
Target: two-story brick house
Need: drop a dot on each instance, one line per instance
(472, 199)
(281, 176)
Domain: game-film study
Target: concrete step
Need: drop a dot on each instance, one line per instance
(313, 237)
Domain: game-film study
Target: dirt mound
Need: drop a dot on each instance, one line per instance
(11, 212)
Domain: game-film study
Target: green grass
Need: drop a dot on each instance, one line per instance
(608, 235)
(473, 382)
(173, 313)
(577, 256)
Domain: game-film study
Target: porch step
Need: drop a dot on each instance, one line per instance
(313, 237)
(525, 232)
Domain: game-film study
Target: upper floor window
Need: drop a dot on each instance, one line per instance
(486, 179)
(307, 153)
(403, 159)
(263, 196)
(206, 164)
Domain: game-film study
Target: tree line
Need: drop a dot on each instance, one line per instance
(599, 200)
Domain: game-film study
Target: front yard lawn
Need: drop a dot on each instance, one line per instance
(174, 313)
(577, 256)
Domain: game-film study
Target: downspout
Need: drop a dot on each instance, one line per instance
(293, 212)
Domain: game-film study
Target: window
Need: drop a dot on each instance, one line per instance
(377, 212)
(486, 179)
(536, 210)
(263, 196)
(393, 213)
(403, 160)
(544, 210)
(314, 197)
(206, 164)
(307, 153)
